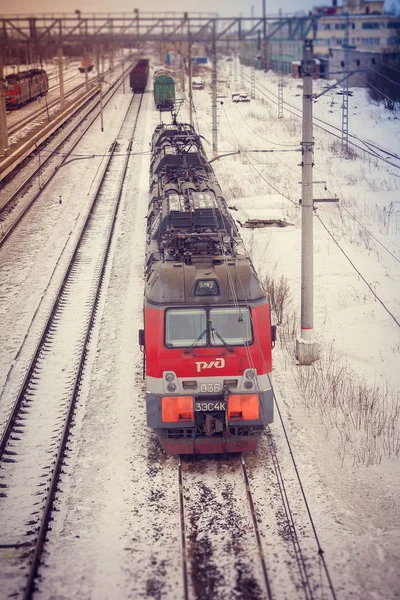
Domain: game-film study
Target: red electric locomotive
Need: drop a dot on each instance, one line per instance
(207, 334)
(25, 86)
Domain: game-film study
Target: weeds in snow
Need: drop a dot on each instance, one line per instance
(364, 417)
(279, 296)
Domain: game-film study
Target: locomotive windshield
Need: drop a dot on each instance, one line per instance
(214, 327)
(184, 326)
(232, 325)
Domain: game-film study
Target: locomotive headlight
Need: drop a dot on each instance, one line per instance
(248, 385)
(171, 387)
(170, 377)
(250, 374)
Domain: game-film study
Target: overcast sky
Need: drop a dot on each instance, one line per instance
(229, 8)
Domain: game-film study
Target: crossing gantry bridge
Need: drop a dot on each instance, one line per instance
(139, 27)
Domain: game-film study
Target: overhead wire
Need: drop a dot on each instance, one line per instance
(341, 206)
(351, 263)
(320, 550)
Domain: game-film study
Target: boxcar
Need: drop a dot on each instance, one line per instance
(164, 90)
(138, 76)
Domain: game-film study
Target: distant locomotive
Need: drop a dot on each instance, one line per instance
(164, 90)
(86, 64)
(138, 76)
(24, 86)
(207, 335)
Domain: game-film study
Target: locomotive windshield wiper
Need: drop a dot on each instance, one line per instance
(221, 338)
(196, 341)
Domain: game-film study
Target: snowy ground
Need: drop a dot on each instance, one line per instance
(110, 539)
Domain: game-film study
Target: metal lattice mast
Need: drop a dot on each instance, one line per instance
(345, 88)
(214, 91)
(280, 82)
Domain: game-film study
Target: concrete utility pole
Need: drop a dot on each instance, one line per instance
(85, 62)
(306, 348)
(190, 77)
(182, 67)
(280, 83)
(101, 101)
(61, 76)
(345, 88)
(264, 36)
(3, 120)
(241, 66)
(214, 92)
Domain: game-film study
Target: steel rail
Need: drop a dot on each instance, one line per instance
(46, 512)
(14, 127)
(256, 529)
(31, 202)
(183, 538)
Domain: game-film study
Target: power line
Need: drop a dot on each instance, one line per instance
(358, 272)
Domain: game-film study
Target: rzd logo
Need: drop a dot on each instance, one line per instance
(218, 364)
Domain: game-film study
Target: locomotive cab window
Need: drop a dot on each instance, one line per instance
(231, 326)
(199, 327)
(183, 327)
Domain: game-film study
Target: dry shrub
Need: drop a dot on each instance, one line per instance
(365, 416)
(279, 295)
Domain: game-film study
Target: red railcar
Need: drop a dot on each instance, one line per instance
(138, 76)
(207, 334)
(25, 86)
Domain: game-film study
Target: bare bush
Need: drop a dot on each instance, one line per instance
(347, 152)
(279, 295)
(365, 416)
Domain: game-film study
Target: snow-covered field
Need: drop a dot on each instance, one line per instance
(110, 539)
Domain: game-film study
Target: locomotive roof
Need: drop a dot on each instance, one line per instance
(24, 74)
(172, 131)
(175, 282)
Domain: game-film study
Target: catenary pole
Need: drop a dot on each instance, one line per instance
(190, 76)
(306, 347)
(61, 76)
(214, 91)
(3, 120)
(264, 36)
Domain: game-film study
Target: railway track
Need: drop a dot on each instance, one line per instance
(222, 544)
(35, 435)
(34, 117)
(236, 526)
(16, 203)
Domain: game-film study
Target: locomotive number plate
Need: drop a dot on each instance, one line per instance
(210, 388)
(210, 406)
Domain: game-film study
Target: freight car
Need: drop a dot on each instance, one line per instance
(207, 336)
(24, 86)
(164, 90)
(138, 76)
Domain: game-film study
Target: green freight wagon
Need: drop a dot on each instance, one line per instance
(164, 90)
